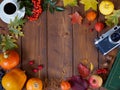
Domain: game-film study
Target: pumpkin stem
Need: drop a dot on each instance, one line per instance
(5, 55)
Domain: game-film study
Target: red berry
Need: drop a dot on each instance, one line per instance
(31, 62)
(99, 26)
(91, 30)
(40, 67)
(35, 70)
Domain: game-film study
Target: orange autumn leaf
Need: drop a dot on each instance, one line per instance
(76, 18)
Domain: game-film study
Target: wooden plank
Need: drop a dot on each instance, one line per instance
(29, 47)
(83, 38)
(59, 48)
(84, 48)
(101, 58)
(34, 46)
(42, 45)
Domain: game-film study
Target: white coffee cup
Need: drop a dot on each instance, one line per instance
(9, 9)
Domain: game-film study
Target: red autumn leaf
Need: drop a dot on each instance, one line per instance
(76, 18)
(83, 70)
(99, 26)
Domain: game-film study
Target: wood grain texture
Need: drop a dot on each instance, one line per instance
(34, 47)
(83, 42)
(59, 47)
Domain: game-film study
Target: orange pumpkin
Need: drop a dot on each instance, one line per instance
(65, 85)
(91, 15)
(14, 80)
(9, 62)
(34, 84)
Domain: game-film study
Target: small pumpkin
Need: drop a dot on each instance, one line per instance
(14, 80)
(65, 85)
(91, 15)
(34, 84)
(9, 59)
(106, 7)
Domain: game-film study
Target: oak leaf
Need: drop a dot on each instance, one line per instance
(76, 18)
(89, 4)
(70, 2)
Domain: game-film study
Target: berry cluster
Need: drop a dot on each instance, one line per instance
(39, 67)
(37, 10)
(102, 71)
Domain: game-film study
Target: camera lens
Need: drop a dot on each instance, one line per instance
(115, 37)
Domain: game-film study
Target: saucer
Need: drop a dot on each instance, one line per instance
(10, 17)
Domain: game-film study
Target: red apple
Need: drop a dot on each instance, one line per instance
(95, 81)
(99, 26)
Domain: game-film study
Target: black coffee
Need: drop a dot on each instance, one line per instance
(9, 8)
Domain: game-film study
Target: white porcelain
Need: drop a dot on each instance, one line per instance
(7, 17)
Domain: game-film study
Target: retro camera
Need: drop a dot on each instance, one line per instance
(109, 40)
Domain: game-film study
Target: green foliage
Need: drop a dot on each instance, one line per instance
(7, 43)
(28, 6)
(9, 39)
(70, 2)
(113, 19)
(15, 27)
(51, 6)
(89, 4)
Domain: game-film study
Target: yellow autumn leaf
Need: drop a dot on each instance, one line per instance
(70, 2)
(89, 4)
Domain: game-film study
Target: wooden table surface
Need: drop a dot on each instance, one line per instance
(60, 46)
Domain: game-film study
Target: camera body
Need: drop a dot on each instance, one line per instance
(109, 40)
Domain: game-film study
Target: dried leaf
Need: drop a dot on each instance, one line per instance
(70, 2)
(76, 18)
(113, 19)
(89, 4)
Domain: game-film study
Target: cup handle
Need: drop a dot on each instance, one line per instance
(21, 12)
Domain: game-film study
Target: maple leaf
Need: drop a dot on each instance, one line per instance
(113, 19)
(89, 4)
(70, 2)
(76, 18)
